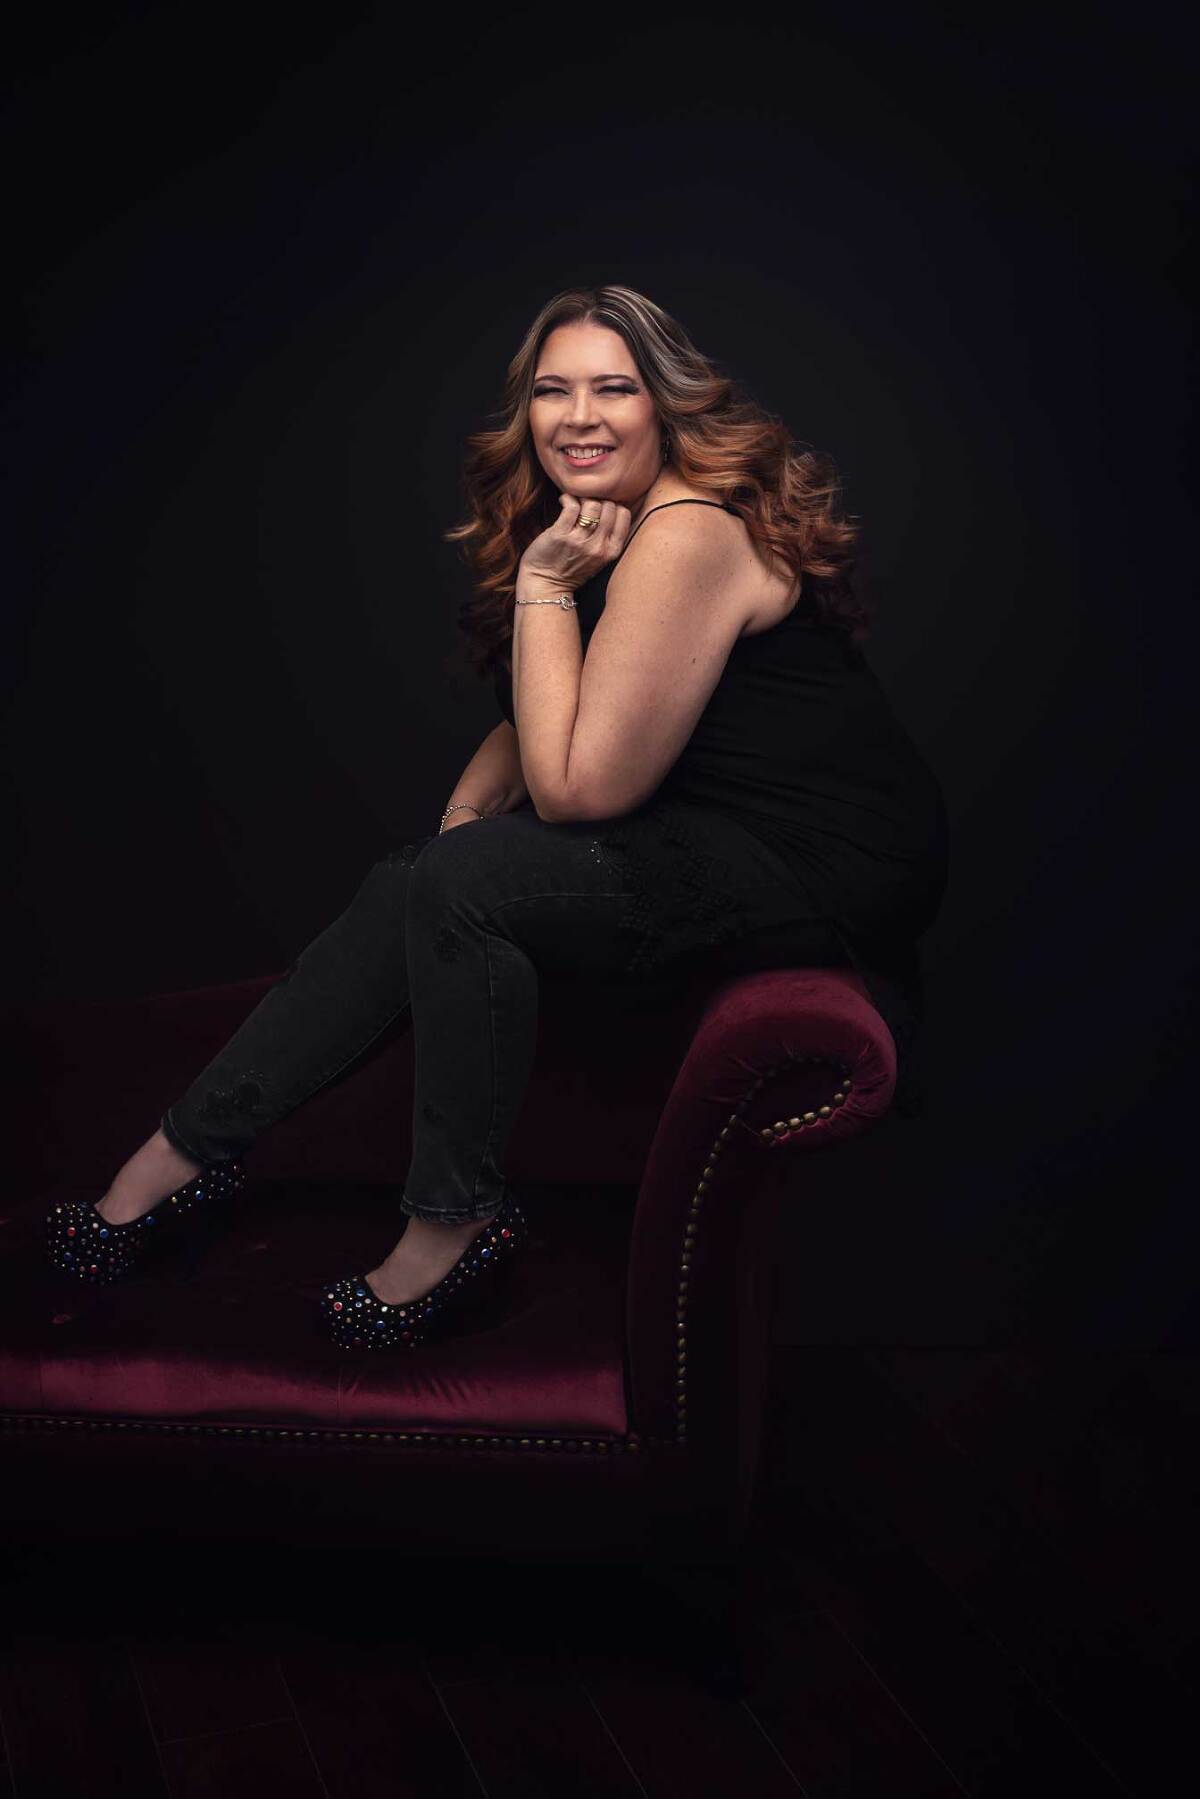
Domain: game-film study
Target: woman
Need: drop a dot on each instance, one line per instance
(696, 768)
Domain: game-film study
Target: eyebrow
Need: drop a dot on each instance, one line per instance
(594, 377)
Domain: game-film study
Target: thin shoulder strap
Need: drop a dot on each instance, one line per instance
(720, 504)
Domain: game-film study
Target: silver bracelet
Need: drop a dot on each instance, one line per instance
(463, 806)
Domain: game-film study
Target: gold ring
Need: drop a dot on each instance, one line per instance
(589, 524)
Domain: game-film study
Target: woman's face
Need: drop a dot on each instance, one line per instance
(587, 392)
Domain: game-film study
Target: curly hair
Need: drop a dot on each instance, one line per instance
(722, 442)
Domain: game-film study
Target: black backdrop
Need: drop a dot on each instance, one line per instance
(275, 266)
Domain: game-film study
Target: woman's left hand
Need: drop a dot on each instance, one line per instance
(568, 556)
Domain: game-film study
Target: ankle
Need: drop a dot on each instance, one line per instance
(443, 1227)
(434, 1235)
(160, 1145)
(150, 1174)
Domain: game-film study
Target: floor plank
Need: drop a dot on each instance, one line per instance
(870, 1463)
(198, 1684)
(984, 1716)
(74, 1720)
(628, 1649)
(1094, 1451)
(533, 1734)
(373, 1720)
(835, 1722)
(240, 1764)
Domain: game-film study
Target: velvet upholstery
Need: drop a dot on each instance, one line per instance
(621, 1385)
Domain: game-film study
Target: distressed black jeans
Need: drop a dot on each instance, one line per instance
(458, 928)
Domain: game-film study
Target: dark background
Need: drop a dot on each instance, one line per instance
(274, 269)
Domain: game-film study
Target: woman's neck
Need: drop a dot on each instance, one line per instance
(668, 486)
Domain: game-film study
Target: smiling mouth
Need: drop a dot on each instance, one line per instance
(597, 455)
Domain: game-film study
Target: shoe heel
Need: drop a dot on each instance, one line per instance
(189, 1249)
(81, 1243)
(485, 1301)
(474, 1290)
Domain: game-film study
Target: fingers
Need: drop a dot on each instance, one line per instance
(610, 529)
(614, 524)
(610, 512)
(605, 511)
(595, 523)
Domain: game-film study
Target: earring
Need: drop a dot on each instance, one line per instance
(666, 447)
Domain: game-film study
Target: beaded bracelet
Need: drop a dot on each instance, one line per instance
(463, 805)
(565, 600)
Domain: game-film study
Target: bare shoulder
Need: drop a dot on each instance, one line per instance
(719, 537)
(760, 591)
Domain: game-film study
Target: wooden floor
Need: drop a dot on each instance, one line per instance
(973, 1573)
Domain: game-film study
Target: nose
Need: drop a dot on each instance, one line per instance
(582, 409)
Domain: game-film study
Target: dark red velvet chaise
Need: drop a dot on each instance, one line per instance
(613, 1412)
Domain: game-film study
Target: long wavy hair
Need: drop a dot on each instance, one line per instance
(721, 442)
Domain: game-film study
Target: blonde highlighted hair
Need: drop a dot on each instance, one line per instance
(721, 442)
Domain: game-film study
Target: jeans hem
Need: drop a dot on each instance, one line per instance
(167, 1127)
(425, 1213)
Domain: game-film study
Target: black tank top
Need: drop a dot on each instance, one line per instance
(799, 743)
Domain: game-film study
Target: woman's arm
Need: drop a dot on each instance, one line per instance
(492, 780)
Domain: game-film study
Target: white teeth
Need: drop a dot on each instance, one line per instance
(579, 455)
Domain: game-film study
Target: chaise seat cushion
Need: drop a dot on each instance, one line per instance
(232, 1338)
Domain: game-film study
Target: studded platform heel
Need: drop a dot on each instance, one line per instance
(81, 1242)
(351, 1314)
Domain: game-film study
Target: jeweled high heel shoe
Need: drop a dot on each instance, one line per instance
(83, 1243)
(355, 1318)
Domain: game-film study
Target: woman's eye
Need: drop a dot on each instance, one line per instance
(540, 393)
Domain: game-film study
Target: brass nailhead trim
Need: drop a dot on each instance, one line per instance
(771, 1134)
(278, 1433)
(786, 1127)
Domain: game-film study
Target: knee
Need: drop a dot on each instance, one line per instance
(456, 871)
(406, 856)
(393, 872)
(382, 892)
(449, 858)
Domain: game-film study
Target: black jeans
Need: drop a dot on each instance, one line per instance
(459, 927)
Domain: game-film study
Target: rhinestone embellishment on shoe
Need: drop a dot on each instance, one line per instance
(355, 1318)
(82, 1243)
